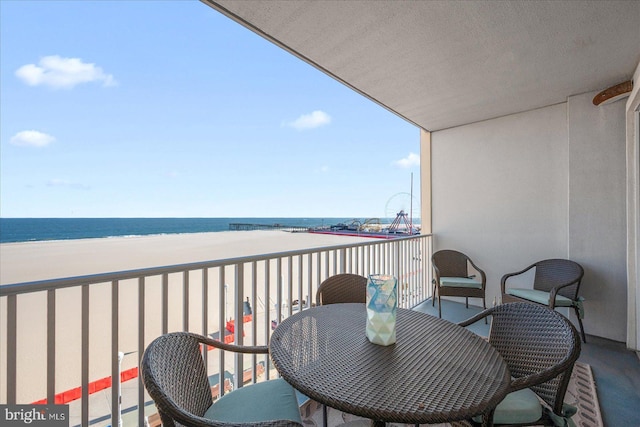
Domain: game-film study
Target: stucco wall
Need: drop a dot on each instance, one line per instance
(499, 191)
(518, 189)
(597, 211)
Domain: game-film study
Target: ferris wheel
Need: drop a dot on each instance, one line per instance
(402, 202)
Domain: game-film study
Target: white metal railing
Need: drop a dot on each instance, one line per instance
(64, 334)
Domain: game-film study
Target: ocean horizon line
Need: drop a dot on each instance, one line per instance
(14, 230)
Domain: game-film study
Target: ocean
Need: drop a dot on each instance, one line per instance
(38, 229)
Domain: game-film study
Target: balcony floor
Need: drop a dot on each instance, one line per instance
(616, 370)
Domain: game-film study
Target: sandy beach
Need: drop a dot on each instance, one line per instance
(33, 261)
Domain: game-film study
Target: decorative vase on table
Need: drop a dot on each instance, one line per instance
(382, 303)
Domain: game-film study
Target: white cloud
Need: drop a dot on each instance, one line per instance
(55, 182)
(411, 160)
(31, 138)
(310, 121)
(63, 73)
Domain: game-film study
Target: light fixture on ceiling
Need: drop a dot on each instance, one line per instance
(613, 93)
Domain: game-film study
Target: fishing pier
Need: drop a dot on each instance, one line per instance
(237, 226)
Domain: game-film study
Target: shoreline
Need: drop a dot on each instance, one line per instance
(129, 236)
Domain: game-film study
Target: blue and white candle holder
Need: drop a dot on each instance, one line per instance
(382, 304)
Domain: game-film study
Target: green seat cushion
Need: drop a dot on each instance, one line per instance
(541, 297)
(519, 407)
(568, 411)
(460, 282)
(268, 400)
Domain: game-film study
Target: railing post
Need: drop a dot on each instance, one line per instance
(318, 269)
(222, 294)
(309, 279)
(300, 295)
(165, 303)
(254, 323)
(335, 261)
(395, 257)
(279, 290)
(185, 300)
(85, 354)
(12, 342)
(428, 266)
(205, 302)
(115, 368)
(141, 343)
(238, 329)
(51, 346)
(267, 309)
(326, 264)
(289, 285)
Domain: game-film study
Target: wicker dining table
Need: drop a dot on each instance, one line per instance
(436, 371)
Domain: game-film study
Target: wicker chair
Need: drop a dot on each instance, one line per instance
(556, 284)
(540, 347)
(175, 376)
(453, 278)
(342, 288)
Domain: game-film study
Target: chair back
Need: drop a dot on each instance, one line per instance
(174, 374)
(450, 263)
(539, 342)
(553, 272)
(342, 288)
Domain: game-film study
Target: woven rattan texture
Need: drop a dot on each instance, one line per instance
(539, 345)
(563, 274)
(533, 339)
(174, 374)
(581, 393)
(435, 372)
(342, 288)
(450, 263)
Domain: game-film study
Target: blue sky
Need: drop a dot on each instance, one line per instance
(169, 109)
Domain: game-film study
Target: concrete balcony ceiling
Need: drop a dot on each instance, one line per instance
(441, 64)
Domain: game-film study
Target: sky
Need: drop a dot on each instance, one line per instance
(169, 109)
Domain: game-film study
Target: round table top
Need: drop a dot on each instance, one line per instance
(435, 372)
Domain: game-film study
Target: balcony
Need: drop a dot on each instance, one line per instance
(71, 356)
(518, 165)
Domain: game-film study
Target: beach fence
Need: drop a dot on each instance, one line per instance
(64, 340)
